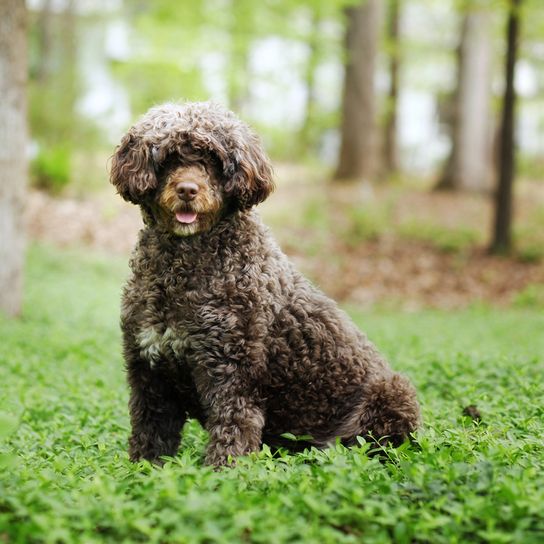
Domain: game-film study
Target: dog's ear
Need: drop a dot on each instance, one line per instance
(133, 169)
(249, 175)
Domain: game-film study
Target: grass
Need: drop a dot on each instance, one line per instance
(450, 223)
(367, 222)
(65, 476)
(529, 237)
(447, 240)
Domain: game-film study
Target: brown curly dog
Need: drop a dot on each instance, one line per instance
(217, 324)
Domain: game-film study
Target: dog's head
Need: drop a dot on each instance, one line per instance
(189, 165)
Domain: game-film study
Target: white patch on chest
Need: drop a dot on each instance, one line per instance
(155, 346)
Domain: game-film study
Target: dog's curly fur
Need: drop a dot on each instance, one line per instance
(217, 323)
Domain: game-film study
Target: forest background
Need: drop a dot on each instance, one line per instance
(407, 138)
(367, 111)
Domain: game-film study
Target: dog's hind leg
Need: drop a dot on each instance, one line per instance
(388, 413)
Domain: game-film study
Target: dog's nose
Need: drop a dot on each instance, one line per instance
(187, 190)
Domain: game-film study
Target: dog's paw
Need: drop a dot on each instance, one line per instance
(138, 451)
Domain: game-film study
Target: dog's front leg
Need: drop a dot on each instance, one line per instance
(156, 413)
(235, 424)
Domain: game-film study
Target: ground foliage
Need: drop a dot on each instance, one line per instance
(65, 475)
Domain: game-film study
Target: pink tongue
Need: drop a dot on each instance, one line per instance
(186, 217)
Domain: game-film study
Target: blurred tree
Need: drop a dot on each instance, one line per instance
(308, 130)
(13, 151)
(53, 90)
(169, 42)
(44, 39)
(502, 239)
(213, 48)
(469, 166)
(391, 163)
(323, 37)
(242, 26)
(358, 131)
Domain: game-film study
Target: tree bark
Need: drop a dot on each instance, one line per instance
(357, 160)
(502, 239)
(13, 161)
(469, 166)
(391, 161)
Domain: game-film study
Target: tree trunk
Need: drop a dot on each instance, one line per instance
(358, 133)
(240, 29)
(70, 83)
(502, 240)
(469, 166)
(307, 135)
(391, 162)
(13, 161)
(44, 30)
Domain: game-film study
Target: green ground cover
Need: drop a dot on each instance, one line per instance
(65, 476)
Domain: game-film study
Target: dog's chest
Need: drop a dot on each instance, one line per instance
(159, 346)
(172, 306)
